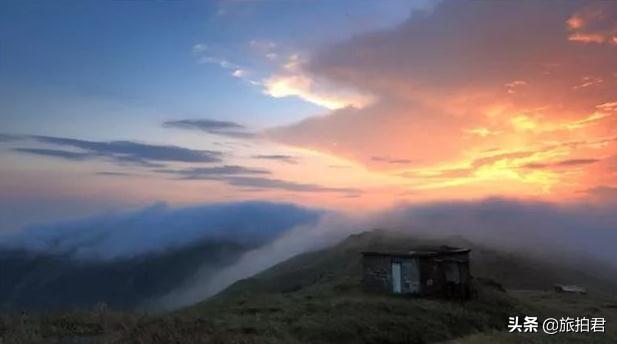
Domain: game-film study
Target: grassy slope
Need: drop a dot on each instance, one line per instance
(547, 304)
(316, 298)
(343, 263)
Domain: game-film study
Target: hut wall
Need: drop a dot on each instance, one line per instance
(432, 277)
(377, 275)
(445, 275)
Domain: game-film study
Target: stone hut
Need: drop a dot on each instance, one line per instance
(439, 272)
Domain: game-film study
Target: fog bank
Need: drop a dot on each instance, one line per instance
(558, 233)
(151, 230)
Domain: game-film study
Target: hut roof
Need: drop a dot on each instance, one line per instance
(421, 252)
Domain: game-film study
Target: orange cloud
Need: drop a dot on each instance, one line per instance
(575, 22)
(438, 82)
(292, 80)
(596, 23)
(587, 38)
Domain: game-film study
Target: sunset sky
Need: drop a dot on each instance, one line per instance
(349, 105)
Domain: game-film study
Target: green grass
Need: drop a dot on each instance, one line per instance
(548, 304)
(325, 314)
(321, 315)
(96, 326)
(317, 298)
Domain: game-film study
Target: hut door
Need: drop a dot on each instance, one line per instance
(396, 278)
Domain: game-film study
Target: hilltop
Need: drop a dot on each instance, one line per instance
(316, 297)
(341, 265)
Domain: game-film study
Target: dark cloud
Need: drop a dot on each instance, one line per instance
(279, 157)
(251, 179)
(576, 162)
(268, 183)
(132, 160)
(216, 172)
(203, 124)
(114, 174)
(224, 128)
(9, 138)
(55, 153)
(129, 151)
(122, 152)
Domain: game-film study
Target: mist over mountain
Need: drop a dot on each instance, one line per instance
(123, 259)
(167, 258)
(547, 231)
(157, 228)
(576, 237)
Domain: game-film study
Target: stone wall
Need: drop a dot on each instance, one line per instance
(377, 273)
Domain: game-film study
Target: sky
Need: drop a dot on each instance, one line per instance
(330, 104)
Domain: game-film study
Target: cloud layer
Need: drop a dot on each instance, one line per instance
(158, 228)
(216, 127)
(562, 235)
(549, 232)
(123, 152)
